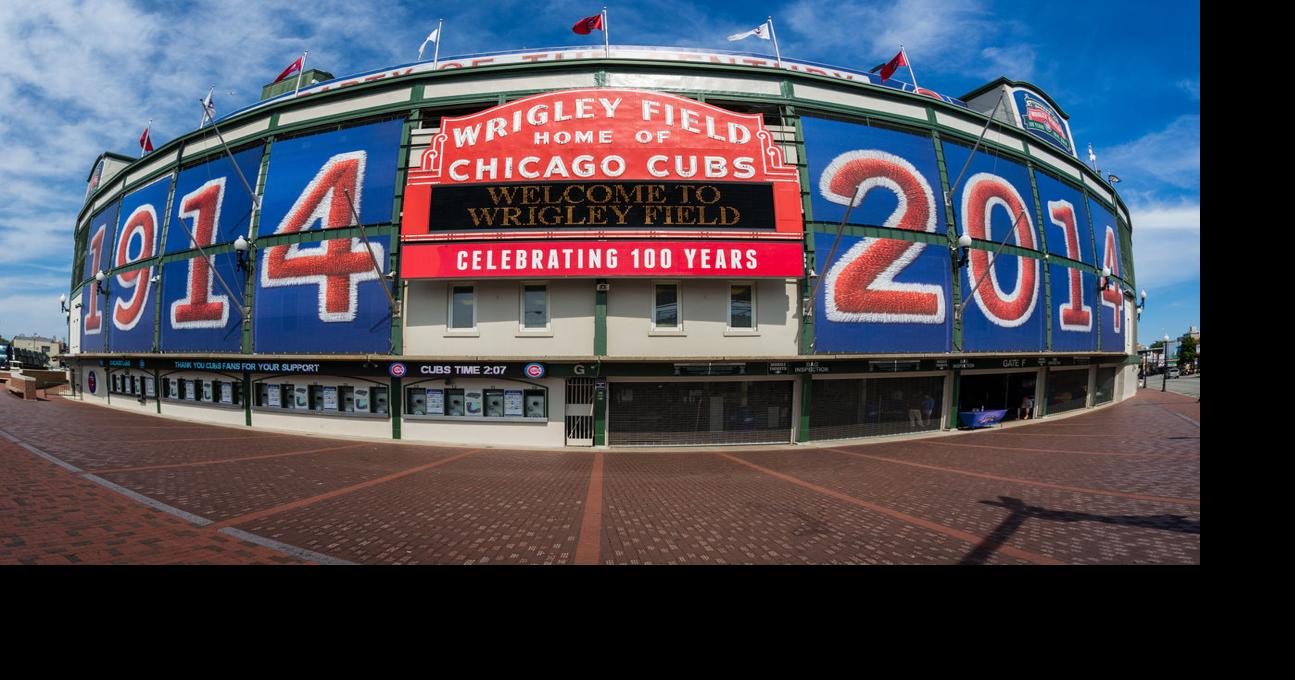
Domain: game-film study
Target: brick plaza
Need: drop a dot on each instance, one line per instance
(84, 484)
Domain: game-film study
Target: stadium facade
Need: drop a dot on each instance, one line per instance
(648, 246)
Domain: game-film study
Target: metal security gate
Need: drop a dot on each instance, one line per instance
(580, 411)
(841, 409)
(694, 412)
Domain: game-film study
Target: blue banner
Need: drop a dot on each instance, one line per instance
(881, 295)
(1006, 311)
(323, 297)
(134, 293)
(212, 203)
(994, 191)
(894, 175)
(198, 314)
(1112, 320)
(309, 177)
(1074, 312)
(99, 241)
(1065, 216)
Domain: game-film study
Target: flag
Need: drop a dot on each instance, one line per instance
(1092, 157)
(587, 24)
(761, 32)
(292, 68)
(1113, 179)
(888, 69)
(209, 107)
(145, 142)
(432, 37)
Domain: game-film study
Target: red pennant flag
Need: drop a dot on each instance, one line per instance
(888, 69)
(292, 68)
(145, 142)
(587, 24)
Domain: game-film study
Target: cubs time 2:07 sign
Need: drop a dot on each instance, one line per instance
(605, 182)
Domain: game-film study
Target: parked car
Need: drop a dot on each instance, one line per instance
(1174, 372)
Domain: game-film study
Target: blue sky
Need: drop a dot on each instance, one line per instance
(79, 77)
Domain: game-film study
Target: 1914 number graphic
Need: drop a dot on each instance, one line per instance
(202, 307)
(1111, 295)
(93, 322)
(140, 228)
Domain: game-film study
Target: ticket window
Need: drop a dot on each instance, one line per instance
(494, 404)
(363, 400)
(207, 391)
(167, 389)
(316, 397)
(417, 398)
(534, 404)
(379, 395)
(346, 399)
(300, 397)
(454, 403)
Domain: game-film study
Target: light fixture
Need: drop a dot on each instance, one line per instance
(964, 249)
(62, 302)
(241, 246)
(1142, 304)
(1105, 281)
(102, 280)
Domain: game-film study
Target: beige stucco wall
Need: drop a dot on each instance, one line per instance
(704, 333)
(498, 331)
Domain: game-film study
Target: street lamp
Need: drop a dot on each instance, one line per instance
(1164, 377)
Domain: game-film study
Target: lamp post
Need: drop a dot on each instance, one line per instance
(1164, 377)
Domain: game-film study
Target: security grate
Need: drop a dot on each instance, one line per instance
(580, 411)
(1067, 390)
(693, 412)
(874, 407)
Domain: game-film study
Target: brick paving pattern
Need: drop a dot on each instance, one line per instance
(1116, 485)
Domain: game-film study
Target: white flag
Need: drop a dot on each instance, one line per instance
(1092, 157)
(209, 107)
(431, 38)
(761, 32)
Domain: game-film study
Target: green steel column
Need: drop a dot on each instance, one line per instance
(247, 398)
(953, 403)
(806, 387)
(1047, 385)
(951, 234)
(1043, 248)
(600, 413)
(600, 321)
(157, 388)
(394, 408)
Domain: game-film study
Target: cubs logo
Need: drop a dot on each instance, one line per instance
(397, 370)
(534, 370)
(336, 267)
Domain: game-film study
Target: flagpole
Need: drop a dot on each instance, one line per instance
(607, 50)
(255, 203)
(436, 53)
(147, 130)
(301, 71)
(909, 63)
(774, 34)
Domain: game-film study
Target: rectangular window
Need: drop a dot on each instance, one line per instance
(463, 308)
(741, 306)
(665, 308)
(453, 402)
(535, 307)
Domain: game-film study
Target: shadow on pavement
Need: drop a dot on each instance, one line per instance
(1021, 512)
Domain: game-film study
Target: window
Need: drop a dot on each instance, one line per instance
(463, 308)
(741, 306)
(535, 307)
(665, 307)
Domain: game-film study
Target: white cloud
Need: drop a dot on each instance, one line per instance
(1170, 156)
(1166, 242)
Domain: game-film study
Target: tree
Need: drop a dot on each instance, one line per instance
(1186, 351)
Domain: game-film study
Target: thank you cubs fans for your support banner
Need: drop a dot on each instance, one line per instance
(606, 182)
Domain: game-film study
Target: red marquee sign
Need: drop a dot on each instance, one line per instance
(602, 164)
